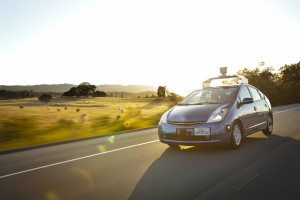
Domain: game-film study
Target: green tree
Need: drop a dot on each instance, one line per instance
(46, 98)
(86, 89)
(162, 91)
(72, 92)
(290, 82)
(99, 94)
(281, 88)
(266, 81)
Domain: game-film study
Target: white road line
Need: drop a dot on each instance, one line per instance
(98, 154)
(286, 110)
(75, 159)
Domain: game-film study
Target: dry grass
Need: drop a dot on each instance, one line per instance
(37, 123)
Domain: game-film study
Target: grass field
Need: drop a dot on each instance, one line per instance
(25, 122)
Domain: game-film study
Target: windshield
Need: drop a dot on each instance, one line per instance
(218, 95)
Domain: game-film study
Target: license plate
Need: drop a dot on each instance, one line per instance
(185, 131)
(202, 131)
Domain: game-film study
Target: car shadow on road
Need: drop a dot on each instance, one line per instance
(186, 173)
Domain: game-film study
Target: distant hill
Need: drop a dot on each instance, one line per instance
(38, 88)
(60, 88)
(127, 88)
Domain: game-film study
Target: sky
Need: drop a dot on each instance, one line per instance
(177, 43)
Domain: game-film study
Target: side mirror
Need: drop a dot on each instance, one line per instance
(247, 101)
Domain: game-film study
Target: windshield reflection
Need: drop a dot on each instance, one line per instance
(212, 95)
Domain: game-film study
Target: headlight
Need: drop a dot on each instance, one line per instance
(164, 118)
(217, 116)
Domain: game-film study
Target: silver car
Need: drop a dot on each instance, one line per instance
(221, 114)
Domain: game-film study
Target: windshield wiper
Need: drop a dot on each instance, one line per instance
(204, 103)
(182, 104)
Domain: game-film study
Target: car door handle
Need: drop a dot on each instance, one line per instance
(255, 108)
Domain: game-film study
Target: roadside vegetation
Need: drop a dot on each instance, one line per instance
(282, 87)
(82, 111)
(25, 122)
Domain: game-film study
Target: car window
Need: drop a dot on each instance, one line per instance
(202, 96)
(212, 95)
(261, 94)
(255, 94)
(244, 93)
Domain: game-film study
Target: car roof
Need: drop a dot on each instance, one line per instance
(226, 86)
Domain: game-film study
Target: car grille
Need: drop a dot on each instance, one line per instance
(185, 123)
(186, 138)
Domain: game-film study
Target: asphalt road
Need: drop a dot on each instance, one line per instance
(136, 166)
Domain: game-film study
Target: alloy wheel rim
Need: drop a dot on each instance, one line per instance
(237, 135)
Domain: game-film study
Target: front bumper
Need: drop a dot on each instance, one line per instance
(218, 134)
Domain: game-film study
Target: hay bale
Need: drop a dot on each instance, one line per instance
(83, 118)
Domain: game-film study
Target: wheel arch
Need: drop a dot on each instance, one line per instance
(271, 113)
(238, 121)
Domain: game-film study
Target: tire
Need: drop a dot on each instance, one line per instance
(236, 136)
(269, 128)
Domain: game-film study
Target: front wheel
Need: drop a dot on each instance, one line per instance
(269, 128)
(236, 137)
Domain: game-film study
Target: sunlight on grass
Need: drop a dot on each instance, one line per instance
(26, 122)
(259, 134)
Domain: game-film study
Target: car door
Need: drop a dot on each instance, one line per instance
(266, 107)
(259, 108)
(247, 112)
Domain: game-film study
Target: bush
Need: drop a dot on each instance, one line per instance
(99, 94)
(20, 127)
(46, 98)
(100, 122)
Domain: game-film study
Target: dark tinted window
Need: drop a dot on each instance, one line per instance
(255, 94)
(244, 93)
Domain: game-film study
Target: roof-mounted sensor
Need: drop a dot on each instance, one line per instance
(223, 71)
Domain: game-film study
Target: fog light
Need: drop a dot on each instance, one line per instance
(228, 127)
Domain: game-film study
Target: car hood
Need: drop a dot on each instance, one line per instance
(192, 113)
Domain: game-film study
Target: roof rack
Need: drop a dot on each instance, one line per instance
(223, 71)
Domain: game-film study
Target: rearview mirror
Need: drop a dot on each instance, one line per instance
(247, 101)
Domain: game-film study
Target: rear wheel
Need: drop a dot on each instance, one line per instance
(269, 128)
(236, 136)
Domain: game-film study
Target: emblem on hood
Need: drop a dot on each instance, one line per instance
(183, 118)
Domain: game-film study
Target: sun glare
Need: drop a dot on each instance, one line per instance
(153, 43)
